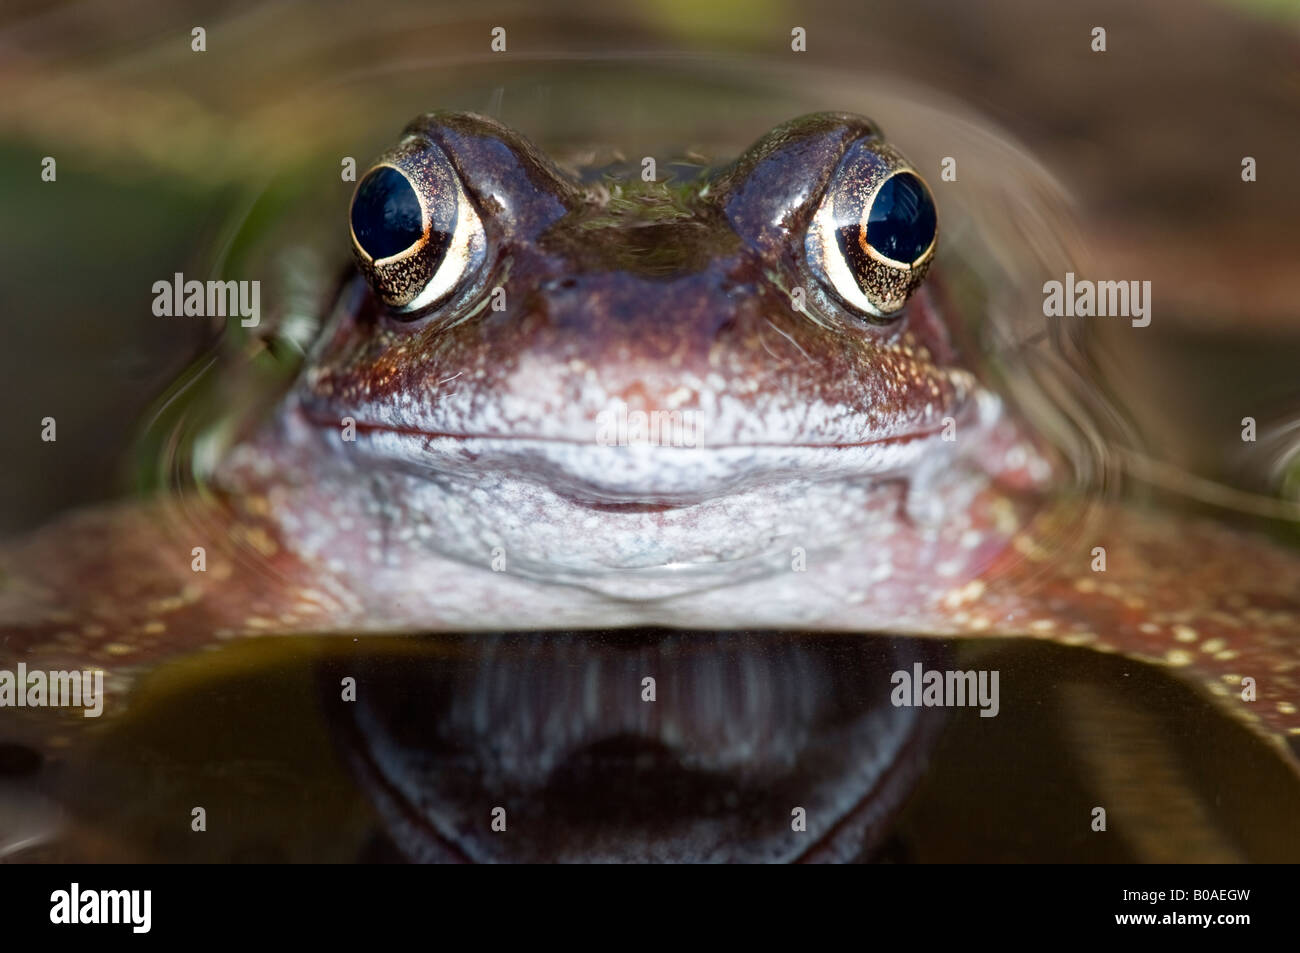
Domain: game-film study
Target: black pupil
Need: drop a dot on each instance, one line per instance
(386, 214)
(902, 221)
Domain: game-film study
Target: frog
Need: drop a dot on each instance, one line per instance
(727, 400)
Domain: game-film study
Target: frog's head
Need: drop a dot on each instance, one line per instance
(602, 375)
(766, 316)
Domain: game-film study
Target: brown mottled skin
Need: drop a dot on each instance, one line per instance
(476, 495)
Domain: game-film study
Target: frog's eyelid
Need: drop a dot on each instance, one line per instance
(835, 265)
(468, 245)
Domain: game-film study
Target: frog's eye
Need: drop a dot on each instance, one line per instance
(415, 233)
(873, 236)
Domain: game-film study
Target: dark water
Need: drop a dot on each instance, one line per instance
(258, 735)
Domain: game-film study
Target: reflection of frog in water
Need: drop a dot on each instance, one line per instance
(438, 465)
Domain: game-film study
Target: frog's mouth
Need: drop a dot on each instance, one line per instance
(629, 470)
(603, 450)
(642, 522)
